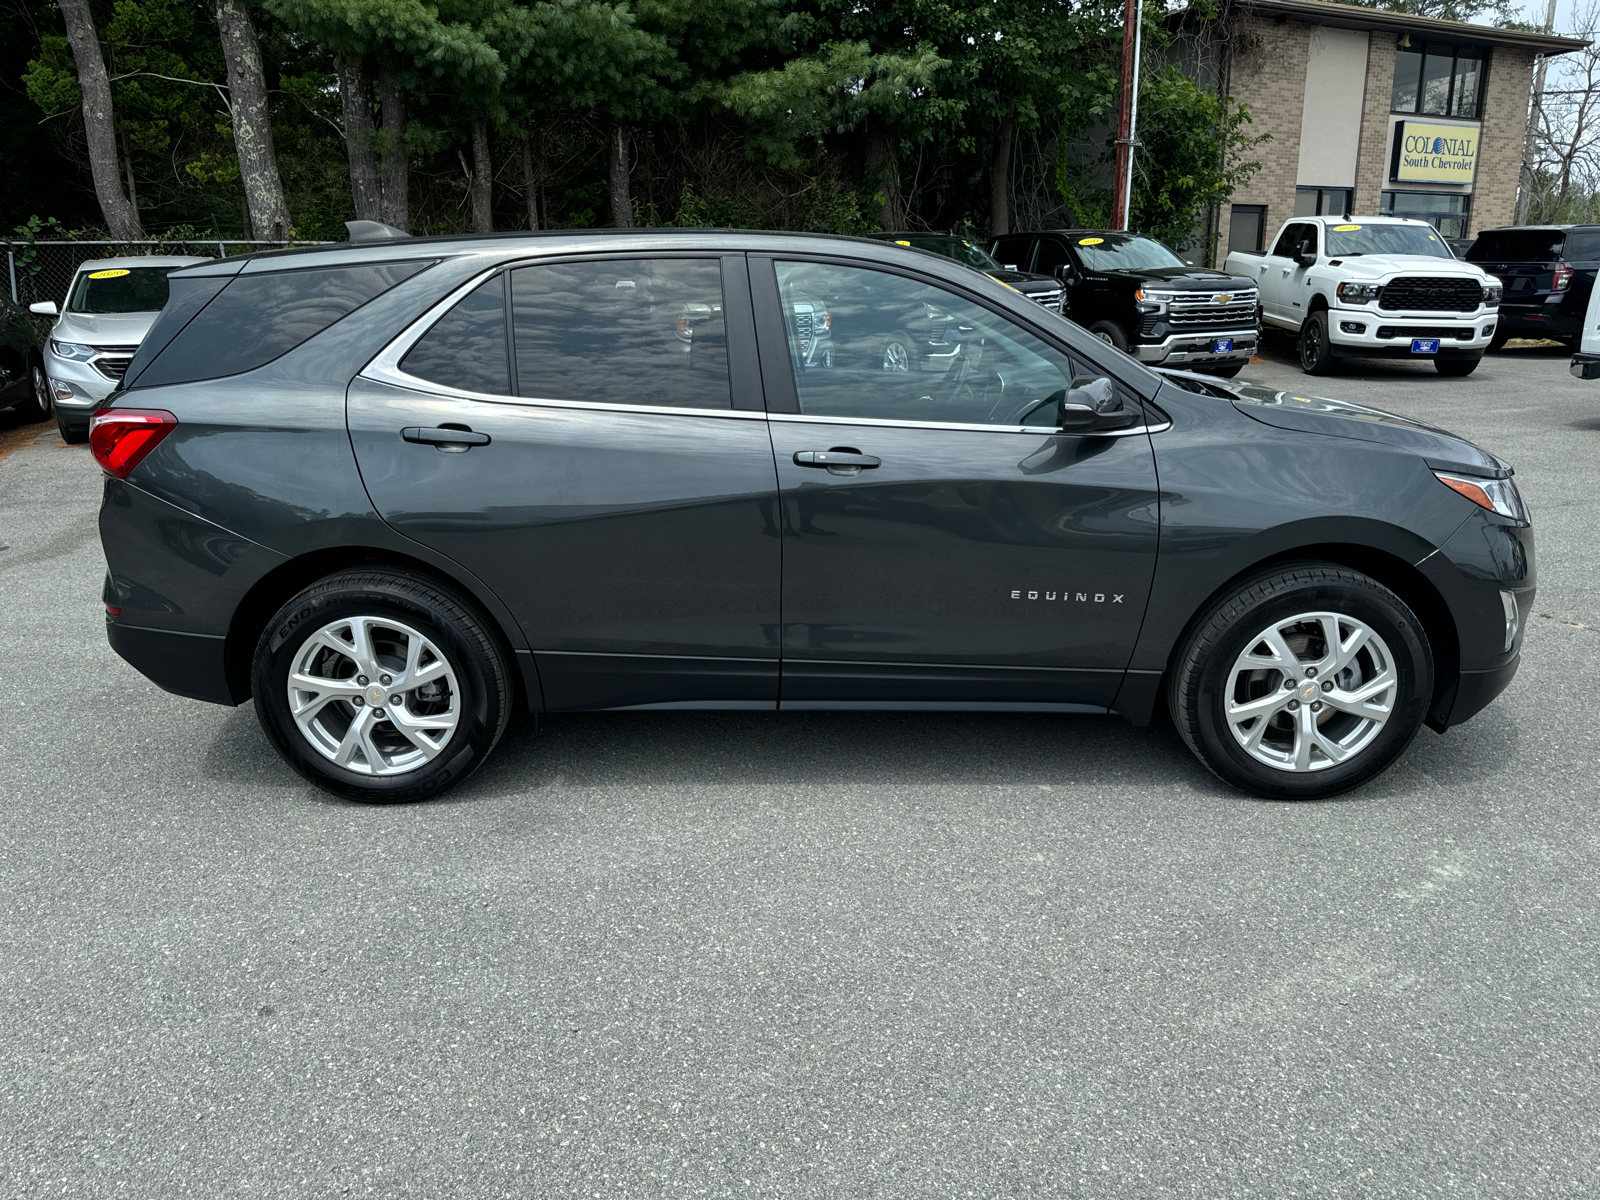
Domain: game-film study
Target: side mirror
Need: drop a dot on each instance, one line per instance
(1064, 273)
(1093, 406)
(1305, 259)
(44, 308)
(1586, 366)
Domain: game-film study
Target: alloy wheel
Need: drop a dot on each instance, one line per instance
(42, 400)
(1310, 692)
(896, 357)
(374, 696)
(1310, 345)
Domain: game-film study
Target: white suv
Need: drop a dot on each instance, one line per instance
(1373, 287)
(111, 304)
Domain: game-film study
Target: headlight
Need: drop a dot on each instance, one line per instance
(74, 351)
(1492, 293)
(1151, 302)
(1497, 495)
(1358, 293)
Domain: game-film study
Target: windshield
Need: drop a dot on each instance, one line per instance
(1518, 245)
(120, 290)
(963, 251)
(1124, 252)
(1348, 241)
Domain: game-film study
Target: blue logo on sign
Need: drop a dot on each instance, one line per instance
(1438, 145)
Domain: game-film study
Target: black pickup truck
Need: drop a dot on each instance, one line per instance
(1132, 292)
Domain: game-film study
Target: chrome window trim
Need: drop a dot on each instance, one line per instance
(974, 427)
(385, 368)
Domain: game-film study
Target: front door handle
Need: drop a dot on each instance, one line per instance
(450, 438)
(834, 458)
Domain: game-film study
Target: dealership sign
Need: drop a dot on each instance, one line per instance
(1428, 152)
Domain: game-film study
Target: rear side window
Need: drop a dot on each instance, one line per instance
(622, 331)
(1583, 245)
(257, 318)
(1517, 245)
(466, 348)
(1014, 252)
(189, 294)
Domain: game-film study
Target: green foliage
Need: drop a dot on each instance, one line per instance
(1191, 157)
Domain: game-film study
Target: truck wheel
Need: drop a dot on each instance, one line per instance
(1316, 355)
(1498, 340)
(1111, 334)
(1457, 366)
(1223, 371)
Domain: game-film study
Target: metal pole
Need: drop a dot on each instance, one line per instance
(1133, 118)
(222, 251)
(11, 256)
(1119, 195)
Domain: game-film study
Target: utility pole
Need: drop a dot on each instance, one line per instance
(1128, 118)
(1535, 116)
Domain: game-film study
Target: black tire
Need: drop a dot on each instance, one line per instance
(1498, 340)
(39, 405)
(71, 434)
(1202, 680)
(1110, 333)
(1226, 371)
(1457, 367)
(897, 353)
(1316, 353)
(464, 638)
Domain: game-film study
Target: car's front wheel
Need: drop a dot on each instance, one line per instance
(381, 685)
(1111, 334)
(1223, 370)
(1305, 681)
(1316, 352)
(39, 385)
(1457, 367)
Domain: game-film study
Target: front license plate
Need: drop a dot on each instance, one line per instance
(1221, 345)
(1424, 345)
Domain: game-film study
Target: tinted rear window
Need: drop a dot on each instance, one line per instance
(624, 331)
(1517, 245)
(120, 290)
(257, 318)
(1583, 245)
(466, 348)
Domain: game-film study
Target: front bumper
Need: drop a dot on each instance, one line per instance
(1196, 349)
(1372, 333)
(77, 388)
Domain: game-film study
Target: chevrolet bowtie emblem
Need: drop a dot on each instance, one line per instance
(1222, 298)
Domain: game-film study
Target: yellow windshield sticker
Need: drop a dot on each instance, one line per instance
(898, 242)
(1345, 228)
(1090, 241)
(108, 274)
(1431, 238)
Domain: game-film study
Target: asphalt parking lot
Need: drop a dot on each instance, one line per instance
(834, 955)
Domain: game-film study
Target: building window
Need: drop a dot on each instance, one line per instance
(1446, 213)
(1438, 80)
(1321, 202)
(1246, 223)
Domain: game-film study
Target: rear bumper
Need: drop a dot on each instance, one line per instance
(1542, 321)
(185, 664)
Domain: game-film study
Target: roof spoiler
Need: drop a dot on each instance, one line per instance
(373, 231)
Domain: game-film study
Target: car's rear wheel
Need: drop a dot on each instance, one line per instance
(1305, 681)
(39, 384)
(1457, 366)
(1316, 352)
(896, 351)
(381, 685)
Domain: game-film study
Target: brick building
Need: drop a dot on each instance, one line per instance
(1370, 112)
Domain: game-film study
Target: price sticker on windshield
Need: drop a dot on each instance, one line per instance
(898, 242)
(1345, 228)
(1090, 241)
(109, 274)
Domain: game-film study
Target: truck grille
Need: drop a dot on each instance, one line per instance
(1460, 333)
(1051, 300)
(113, 366)
(1200, 312)
(1417, 293)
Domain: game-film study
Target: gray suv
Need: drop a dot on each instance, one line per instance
(392, 491)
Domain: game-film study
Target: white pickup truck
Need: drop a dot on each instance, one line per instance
(1373, 287)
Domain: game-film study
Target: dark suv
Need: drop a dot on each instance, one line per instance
(1548, 272)
(1133, 293)
(1042, 289)
(392, 491)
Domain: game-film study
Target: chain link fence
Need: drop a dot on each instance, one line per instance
(38, 271)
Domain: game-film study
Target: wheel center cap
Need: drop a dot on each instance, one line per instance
(375, 695)
(1309, 690)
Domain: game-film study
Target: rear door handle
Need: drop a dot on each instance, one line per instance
(446, 437)
(833, 458)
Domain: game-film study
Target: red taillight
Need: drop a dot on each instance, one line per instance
(1563, 277)
(119, 438)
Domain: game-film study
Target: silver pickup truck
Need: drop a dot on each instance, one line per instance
(1373, 287)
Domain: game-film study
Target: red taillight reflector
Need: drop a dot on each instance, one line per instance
(119, 438)
(1563, 278)
(113, 611)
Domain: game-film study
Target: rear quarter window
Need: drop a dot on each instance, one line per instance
(257, 318)
(1583, 245)
(1518, 245)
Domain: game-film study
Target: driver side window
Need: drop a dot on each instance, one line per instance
(866, 343)
(1289, 241)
